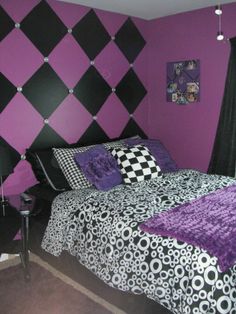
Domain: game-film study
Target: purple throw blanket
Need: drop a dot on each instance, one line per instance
(208, 222)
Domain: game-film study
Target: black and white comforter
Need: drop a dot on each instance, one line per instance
(101, 230)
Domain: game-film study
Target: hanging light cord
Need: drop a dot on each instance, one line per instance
(220, 30)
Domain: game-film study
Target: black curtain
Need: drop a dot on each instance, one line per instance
(224, 151)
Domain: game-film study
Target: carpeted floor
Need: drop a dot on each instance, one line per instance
(49, 292)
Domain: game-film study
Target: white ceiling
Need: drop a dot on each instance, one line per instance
(148, 9)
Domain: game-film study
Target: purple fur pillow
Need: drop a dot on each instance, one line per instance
(99, 167)
(157, 149)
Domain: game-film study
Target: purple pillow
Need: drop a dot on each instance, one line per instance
(157, 149)
(99, 167)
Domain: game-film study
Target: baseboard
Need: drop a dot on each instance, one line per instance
(4, 257)
(9, 260)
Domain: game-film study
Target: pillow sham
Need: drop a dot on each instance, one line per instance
(136, 164)
(99, 167)
(65, 157)
(46, 169)
(74, 176)
(158, 150)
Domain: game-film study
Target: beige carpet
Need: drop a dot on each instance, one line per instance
(49, 291)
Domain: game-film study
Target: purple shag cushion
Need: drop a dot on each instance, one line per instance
(158, 150)
(99, 167)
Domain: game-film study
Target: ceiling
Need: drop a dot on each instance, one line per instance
(148, 9)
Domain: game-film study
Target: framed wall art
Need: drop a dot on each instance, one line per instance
(183, 82)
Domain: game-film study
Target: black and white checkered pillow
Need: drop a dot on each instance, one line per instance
(73, 174)
(136, 164)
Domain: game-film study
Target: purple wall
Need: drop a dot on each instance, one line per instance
(21, 123)
(188, 131)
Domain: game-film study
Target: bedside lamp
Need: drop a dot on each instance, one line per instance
(6, 168)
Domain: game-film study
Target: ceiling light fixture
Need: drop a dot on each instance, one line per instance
(218, 11)
(220, 35)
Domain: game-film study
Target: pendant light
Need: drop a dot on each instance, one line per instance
(218, 11)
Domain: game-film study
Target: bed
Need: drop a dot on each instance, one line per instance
(101, 229)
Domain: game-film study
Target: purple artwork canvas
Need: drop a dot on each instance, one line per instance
(183, 82)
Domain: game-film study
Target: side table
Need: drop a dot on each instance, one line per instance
(24, 210)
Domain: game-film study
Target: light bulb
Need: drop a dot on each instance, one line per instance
(218, 10)
(220, 35)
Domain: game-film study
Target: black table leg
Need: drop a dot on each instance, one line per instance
(25, 249)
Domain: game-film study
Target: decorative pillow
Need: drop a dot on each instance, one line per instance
(73, 174)
(136, 164)
(46, 169)
(158, 150)
(99, 167)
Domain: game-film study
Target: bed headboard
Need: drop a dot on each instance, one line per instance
(94, 134)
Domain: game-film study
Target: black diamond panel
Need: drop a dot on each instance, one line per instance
(91, 34)
(48, 138)
(43, 27)
(8, 90)
(92, 90)
(6, 24)
(45, 90)
(93, 134)
(132, 129)
(131, 91)
(129, 40)
(15, 156)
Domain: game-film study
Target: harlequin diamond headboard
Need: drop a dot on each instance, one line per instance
(70, 74)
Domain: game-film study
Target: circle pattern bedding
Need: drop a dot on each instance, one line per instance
(102, 230)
